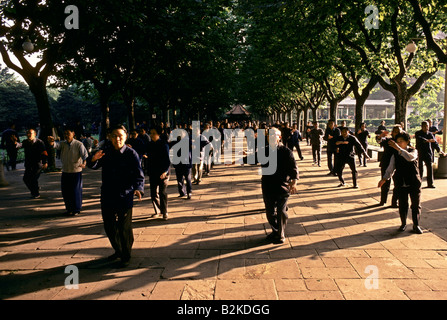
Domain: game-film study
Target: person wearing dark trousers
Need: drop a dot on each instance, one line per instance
(309, 127)
(346, 144)
(331, 135)
(316, 139)
(10, 141)
(73, 155)
(122, 180)
(183, 169)
(362, 135)
(294, 141)
(384, 140)
(425, 142)
(404, 167)
(36, 160)
(277, 187)
(158, 171)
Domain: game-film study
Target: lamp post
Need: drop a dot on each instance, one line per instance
(441, 172)
(28, 46)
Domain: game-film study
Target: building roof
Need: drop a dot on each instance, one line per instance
(238, 110)
(370, 102)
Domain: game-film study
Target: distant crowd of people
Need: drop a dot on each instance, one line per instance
(127, 158)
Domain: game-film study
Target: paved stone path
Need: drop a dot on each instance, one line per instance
(212, 247)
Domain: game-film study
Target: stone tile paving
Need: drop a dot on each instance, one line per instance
(213, 248)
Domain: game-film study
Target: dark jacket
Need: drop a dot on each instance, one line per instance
(407, 172)
(425, 148)
(158, 158)
(277, 184)
(346, 151)
(335, 133)
(121, 176)
(35, 153)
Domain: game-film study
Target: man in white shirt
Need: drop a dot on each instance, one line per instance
(73, 157)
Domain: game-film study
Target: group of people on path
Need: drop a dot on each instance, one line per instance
(126, 159)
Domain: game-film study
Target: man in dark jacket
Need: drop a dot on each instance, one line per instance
(122, 179)
(158, 171)
(362, 135)
(346, 145)
(404, 167)
(295, 141)
(36, 160)
(10, 140)
(388, 152)
(183, 165)
(331, 135)
(425, 142)
(277, 187)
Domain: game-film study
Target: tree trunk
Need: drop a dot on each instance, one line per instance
(105, 116)
(305, 119)
(130, 106)
(359, 103)
(298, 122)
(314, 114)
(400, 109)
(333, 105)
(39, 90)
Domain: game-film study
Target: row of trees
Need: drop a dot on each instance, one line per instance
(199, 56)
(299, 53)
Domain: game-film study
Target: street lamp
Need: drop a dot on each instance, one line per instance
(411, 47)
(27, 45)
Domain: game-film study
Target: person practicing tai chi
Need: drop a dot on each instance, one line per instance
(122, 179)
(346, 144)
(403, 167)
(73, 156)
(277, 187)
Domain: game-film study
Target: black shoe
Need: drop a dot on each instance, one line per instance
(382, 203)
(271, 237)
(356, 187)
(431, 187)
(188, 197)
(114, 257)
(417, 229)
(182, 195)
(341, 185)
(279, 240)
(402, 227)
(394, 205)
(75, 213)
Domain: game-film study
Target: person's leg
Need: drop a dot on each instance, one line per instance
(77, 193)
(272, 217)
(341, 166)
(125, 233)
(67, 189)
(281, 210)
(109, 218)
(415, 196)
(180, 184)
(153, 181)
(330, 165)
(403, 204)
(430, 176)
(163, 195)
(354, 173)
(188, 181)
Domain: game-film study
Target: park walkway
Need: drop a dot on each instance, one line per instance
(213, 248)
